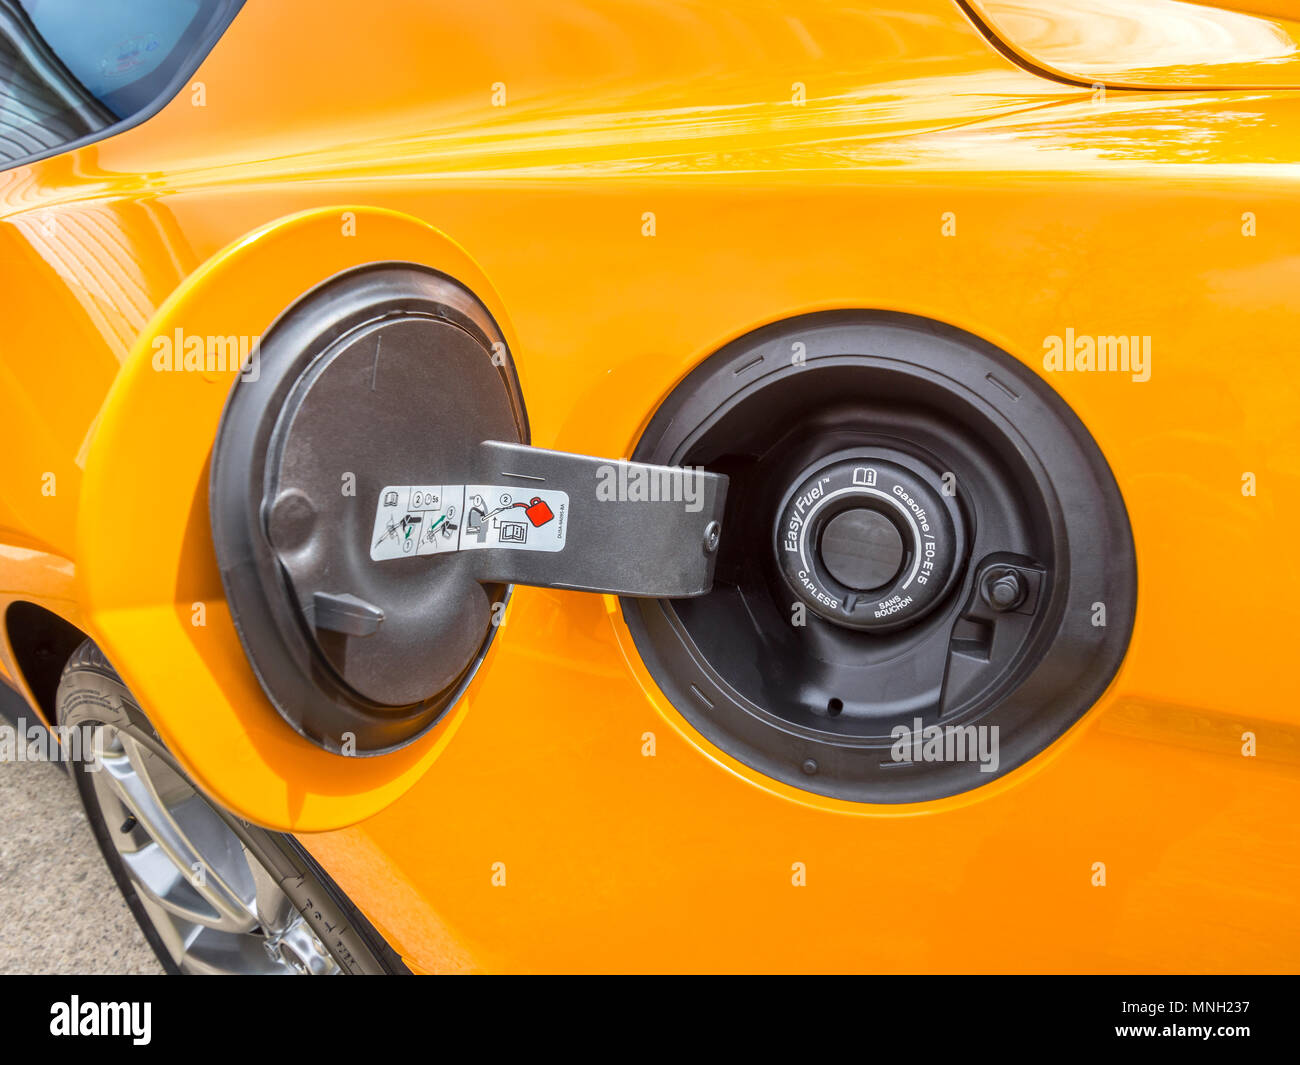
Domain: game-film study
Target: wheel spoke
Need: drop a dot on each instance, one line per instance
(216, 906)
(275, 910)
(189, 838)
(217, 954)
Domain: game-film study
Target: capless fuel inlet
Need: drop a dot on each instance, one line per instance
(861, 548)
(918, 529)
(869, 541)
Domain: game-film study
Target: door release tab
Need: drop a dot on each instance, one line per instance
(560, 520)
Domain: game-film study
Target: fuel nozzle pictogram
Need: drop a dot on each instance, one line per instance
(536, 510)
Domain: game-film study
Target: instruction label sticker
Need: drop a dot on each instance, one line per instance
(426, 519)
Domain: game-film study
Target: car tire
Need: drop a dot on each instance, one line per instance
(211, 892)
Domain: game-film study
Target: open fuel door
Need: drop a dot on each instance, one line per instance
(299, 558)
(374, 498)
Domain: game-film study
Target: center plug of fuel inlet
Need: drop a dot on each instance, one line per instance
(870, 540)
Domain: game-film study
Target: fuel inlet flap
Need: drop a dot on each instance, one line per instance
(373, 498)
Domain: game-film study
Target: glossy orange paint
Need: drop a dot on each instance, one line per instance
(1153, 44)
(794, 158)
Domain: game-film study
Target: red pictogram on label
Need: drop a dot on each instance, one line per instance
(537, 510)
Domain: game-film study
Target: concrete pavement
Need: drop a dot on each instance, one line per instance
(60, 910)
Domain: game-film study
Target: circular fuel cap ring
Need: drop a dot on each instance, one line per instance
(887, 523)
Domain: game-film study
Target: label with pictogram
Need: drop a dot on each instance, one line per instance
(413, 520)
